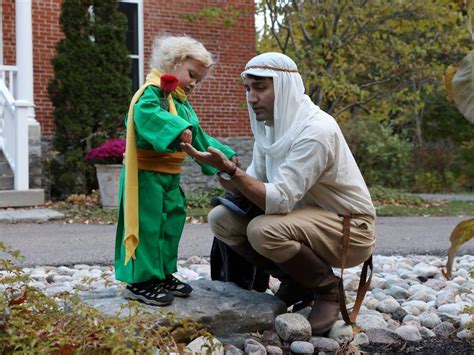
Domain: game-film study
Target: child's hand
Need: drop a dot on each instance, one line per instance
(186, 136)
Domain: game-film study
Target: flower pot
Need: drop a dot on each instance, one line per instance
(108, 176)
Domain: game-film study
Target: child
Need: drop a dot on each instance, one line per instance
(151, 203)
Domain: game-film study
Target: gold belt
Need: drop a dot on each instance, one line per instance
(168, 163)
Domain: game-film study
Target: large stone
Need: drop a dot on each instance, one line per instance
(292, 326)
(223, 308)
(382, 336)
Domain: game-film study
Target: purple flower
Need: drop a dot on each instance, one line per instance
(111, 152)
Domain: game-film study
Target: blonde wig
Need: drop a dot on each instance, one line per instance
(170, 51)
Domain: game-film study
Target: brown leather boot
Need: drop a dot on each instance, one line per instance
(312, 272)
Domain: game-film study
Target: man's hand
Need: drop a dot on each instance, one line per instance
(212, 157)
(186, 136)
(236, 160)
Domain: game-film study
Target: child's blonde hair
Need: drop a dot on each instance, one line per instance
(169, 51)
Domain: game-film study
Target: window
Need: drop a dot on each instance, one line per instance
(133, 9)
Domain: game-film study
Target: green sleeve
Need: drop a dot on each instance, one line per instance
(202, 141)
(155, 125)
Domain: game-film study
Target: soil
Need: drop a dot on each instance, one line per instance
(431, 346)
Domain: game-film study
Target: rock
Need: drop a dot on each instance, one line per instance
(324, 344)
(408, 332)
(292, 326)
(371, 303)
(397, 292)
(445, 297)
(445, 329)
(341, 332)
(232, 350)
(451, 308)
(426, 333)
(382, 336)
(435, 284)
(273, 350)
(388, 305)
(465, 334)
(252, 346)
(425, 270)
(269, 337)
(302, 347)
(202, 345)
(399, 314)
(429, 320)
(465, 320)
(366, 321)
(422, 306)
(224, 307)
(360, 339)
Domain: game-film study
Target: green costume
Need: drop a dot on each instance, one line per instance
(161, 201)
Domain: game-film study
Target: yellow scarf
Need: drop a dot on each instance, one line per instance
(131, 173)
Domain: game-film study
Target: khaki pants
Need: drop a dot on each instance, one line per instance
(278, 237)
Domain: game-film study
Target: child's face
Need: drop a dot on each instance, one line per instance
(189, 73)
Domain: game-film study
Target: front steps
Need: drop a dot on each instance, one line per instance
(13, 198)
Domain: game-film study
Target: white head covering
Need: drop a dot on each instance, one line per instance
(292, 108)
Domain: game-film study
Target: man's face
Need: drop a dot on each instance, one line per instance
(261, 96)
(189, 73)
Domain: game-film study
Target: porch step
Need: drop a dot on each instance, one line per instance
(13, 198)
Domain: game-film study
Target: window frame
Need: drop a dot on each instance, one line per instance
(140, 55)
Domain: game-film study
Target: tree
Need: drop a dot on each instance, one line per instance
(90, 89)
(375, 57)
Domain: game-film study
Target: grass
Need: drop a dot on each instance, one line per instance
(86, 209)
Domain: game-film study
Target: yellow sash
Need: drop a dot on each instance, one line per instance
(168, 163)
(131, 161)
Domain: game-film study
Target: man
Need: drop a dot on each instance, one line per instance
(304, 177)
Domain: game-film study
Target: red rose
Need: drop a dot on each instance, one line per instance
(168, 83)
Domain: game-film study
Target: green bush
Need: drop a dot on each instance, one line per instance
(445, 160)
(90, 89)
(382, 155)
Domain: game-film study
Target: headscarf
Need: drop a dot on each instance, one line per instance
(292, 108)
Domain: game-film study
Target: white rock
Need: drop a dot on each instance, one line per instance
(450, 308)
(367, 321)
(292, 326)
(388, 305)
(341, 332)
(360, 339)
(202, 345)
(302, 347)
(425, 270)
(429, 319)
(422, 306)
(426, 333)
(465, 334)
(409, 332)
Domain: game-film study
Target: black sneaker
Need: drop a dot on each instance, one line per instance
(176, 287)
(149, 292)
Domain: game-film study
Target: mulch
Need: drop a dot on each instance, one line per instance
(431, 346)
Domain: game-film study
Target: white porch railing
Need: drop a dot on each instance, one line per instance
(14, 134)
(8, 74)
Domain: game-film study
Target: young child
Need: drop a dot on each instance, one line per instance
(151, 203)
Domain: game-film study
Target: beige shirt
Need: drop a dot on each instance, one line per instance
(318, 170)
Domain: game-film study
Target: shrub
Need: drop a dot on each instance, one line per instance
(33, 323)
(90, 89)
(110, 152)
(383, 156)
